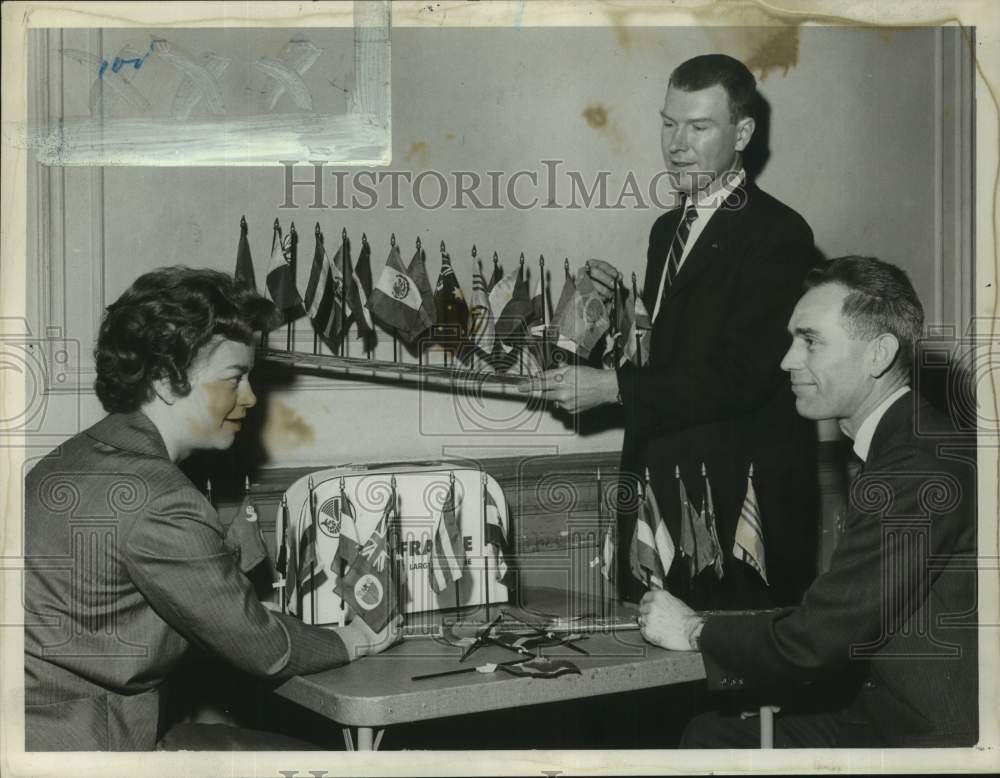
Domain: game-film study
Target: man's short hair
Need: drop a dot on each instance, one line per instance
(880, 299)
(708, 70)
(158, 325)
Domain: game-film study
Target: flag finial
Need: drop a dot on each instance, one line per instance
(343, 233)
(319, 232)
(343, 483)
(648, 479)
(677, 471)
(443, 251)
(541, 262)
(243, 223)
(496, 258)
(246, 484)
(364, 238)
(598, 474)
(392, 240)
(277, 224)
(418, 243)
(392, 481)
(521, 260)
(703, 472)
(312, 484)
(474, 251)
(208, 484)
(750, 472)
(566, 265)
(451, 477)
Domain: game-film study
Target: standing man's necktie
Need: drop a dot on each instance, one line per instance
(675, 253)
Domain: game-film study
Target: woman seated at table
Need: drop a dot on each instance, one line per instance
(127, 563)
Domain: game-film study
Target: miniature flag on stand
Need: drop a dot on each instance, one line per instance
(368, 585)
(581, 319)
(396, 301)
(481, 329)
(495, 277)
(244, 262)
(709, 548)
(749, 545)
(689, 547)
(451, 312)
(280, 278)
(417, 270)
(513, 317)
(496, 533)
(609, 565)
(652, 550)
(447, 563)
(361, 292)
(636, 332)
(324, 293)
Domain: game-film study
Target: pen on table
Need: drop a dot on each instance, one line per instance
(467, 669)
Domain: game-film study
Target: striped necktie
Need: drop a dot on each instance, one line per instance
(673, 264)
(677, 244)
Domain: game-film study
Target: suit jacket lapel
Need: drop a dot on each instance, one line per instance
(710, 243)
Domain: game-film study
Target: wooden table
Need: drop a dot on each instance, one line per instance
(377, 691)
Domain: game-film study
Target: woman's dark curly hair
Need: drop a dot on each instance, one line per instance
(155, 329)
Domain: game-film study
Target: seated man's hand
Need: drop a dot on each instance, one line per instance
(667, 622)
(361, 640)
(574, 389)
(604, 275)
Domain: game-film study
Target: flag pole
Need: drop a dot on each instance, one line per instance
(451, 486)
(344, 281)
(520, 350)
(600, 539)
(294, 262)
(208, 492)
(342, 618)
(420, 347)
(486, 555)
(283, 555)
(315, 543)
(364, 245)
(394, 576)
(395, 339)
(545, 311)
(638, 335)
(645, 487)
(472, 321)
(444, 351)
(319, 239)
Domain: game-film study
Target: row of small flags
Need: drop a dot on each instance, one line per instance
(652, 549)
(366, 576)
(502, 315)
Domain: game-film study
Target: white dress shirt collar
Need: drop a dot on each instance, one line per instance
(863, 441)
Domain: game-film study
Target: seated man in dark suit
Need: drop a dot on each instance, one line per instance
(127, 564)
(896, 609)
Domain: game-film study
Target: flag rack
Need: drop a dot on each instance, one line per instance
(438, 376)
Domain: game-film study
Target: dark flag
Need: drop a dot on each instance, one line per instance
(451, 312)
(361, 292)
(244, 263)
(652, 550)
(280, 279)
(512, 321)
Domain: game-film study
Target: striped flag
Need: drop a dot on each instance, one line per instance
(652, 550)
(635, 332)
(513, 316)
(281, 279)
(324, 293)
(361, 291)
(447, 562)
(244, 262)
(496, 531)
(396, 300)
(749, 545)
(481, 327)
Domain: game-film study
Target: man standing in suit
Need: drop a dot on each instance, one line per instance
(723, 272)
(892, 622)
